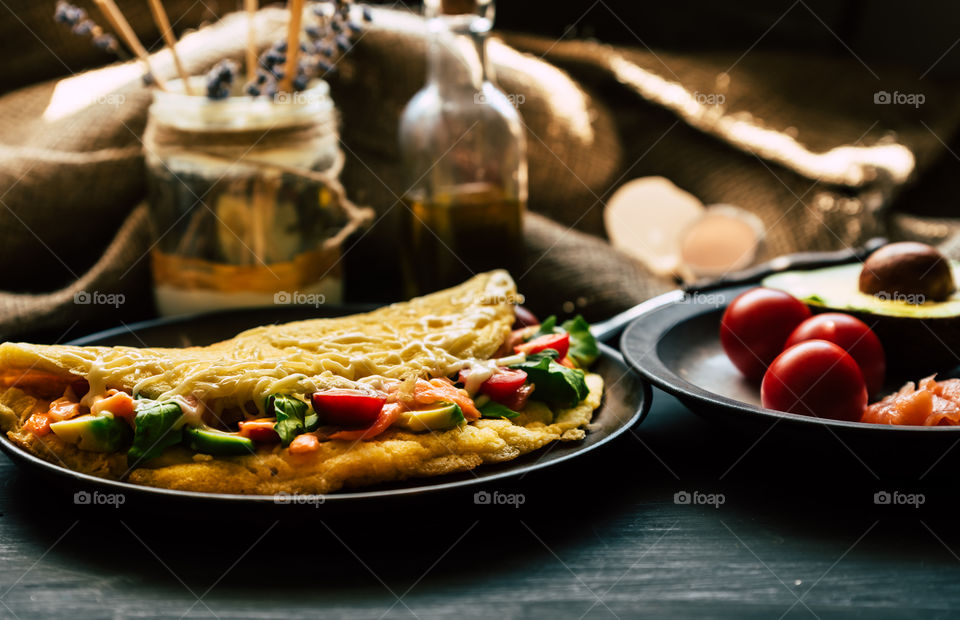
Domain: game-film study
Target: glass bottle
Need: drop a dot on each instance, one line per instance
(464, 152)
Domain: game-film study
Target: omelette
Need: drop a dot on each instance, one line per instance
(439, 384)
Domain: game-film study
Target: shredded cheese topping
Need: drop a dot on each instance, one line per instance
(434, 335)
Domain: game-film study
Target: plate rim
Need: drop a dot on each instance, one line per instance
(652, 326)
(20, 456)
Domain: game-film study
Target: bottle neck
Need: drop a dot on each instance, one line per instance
(457, 52)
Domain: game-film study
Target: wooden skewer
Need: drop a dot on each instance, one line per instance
(251, 6)
(112, 12)
(163, 24)
(293, 45)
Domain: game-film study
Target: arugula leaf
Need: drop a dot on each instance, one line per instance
(153, 429)
(583, 346)
(555, 383)
(291, 416)
(547, 327)
(493, 409)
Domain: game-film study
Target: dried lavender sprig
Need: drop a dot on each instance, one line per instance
(81, 25)
(220, 79)
(331, 36)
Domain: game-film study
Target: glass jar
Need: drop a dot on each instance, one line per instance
(244, 199)
(464, 151)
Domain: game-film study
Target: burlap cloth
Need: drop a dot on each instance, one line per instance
(798, 141)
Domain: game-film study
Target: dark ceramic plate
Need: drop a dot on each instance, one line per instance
(676, 346)
(625, 403)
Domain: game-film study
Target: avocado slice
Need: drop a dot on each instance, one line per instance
(94, 433)
(212, 441)
(918, 339)
(446, 415)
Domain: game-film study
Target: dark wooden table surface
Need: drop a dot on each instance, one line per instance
(793, 531)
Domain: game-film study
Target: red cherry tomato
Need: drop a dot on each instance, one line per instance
(558, 342)
(344, 407)
(504, 384)
(756, 325)
(260, 430)
(815, 378)
(853, 336)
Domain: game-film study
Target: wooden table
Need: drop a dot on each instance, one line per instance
(798, 534)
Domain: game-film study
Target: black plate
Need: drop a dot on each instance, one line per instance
(626, 401)
(676, 346)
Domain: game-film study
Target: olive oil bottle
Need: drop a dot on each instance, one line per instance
(465, 157)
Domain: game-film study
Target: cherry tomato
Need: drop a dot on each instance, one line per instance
(756, 325)
(853, 336)
(815, 378)
(344, 407)
(558, 342)
(260, 430)
(504, 384)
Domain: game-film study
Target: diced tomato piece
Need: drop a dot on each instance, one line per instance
(344, 407)
(260, 430)
(519, 399)
(303, 444)
(38, 424)
(558, 342)
(120, 404)
(566, 361)
(388, 415)
(503, 384)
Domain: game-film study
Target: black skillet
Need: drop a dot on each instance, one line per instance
(625, 403)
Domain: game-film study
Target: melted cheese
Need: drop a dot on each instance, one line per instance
(434, 335)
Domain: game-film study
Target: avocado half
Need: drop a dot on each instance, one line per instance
(918, 339)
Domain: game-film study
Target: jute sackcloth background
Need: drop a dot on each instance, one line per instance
(798, 140)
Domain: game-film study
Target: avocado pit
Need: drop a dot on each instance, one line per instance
(908, 271)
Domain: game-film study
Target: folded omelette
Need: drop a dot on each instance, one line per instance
(439, 384)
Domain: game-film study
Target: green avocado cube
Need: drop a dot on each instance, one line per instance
(94, 433)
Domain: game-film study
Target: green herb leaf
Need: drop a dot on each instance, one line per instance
(154, 429)
(493, 409)
(547, 327)
(583, 346)
(290, 413)
(555, 383)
